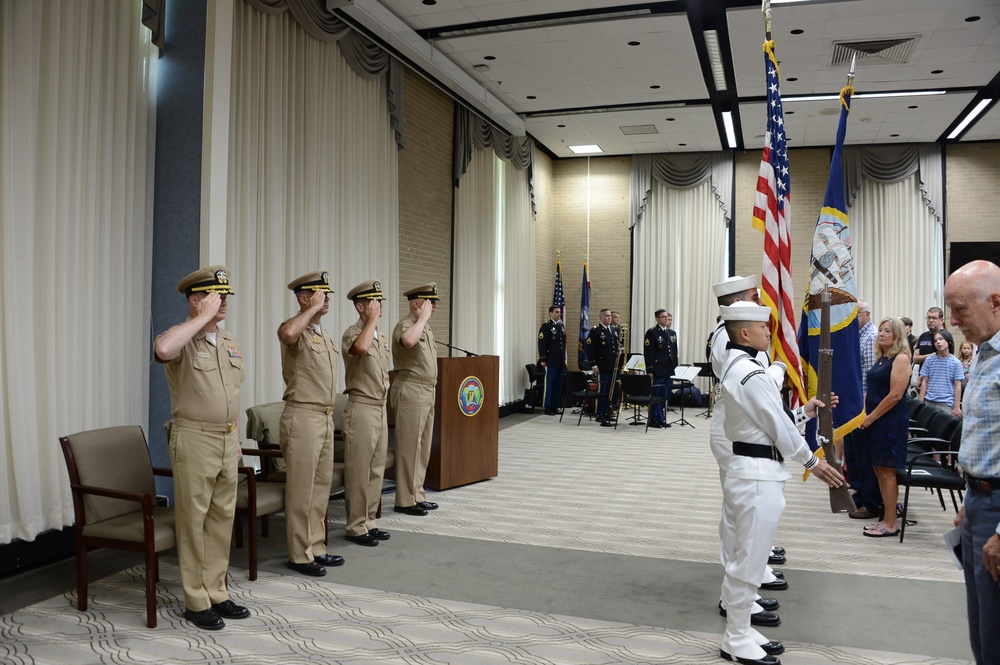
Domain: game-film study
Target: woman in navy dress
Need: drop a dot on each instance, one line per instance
(886, 421)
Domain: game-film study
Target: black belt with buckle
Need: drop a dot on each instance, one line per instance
(759, 450)
(984, 485)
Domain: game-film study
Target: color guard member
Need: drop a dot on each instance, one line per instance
(552, 356)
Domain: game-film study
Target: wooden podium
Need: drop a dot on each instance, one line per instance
(466, 422)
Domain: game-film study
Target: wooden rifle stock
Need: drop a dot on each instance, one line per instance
(840, 497)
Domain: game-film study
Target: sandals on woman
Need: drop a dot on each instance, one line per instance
(876, 531)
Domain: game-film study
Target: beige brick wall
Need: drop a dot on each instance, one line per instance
(972, 179)
(425, 197)
(609, 269)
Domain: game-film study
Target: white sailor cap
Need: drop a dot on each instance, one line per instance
(734, 284)
(745, 311)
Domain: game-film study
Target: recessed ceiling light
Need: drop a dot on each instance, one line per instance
(912, 106)
(429, 2)
(937, 71)
(670, 119)
(893, 136)
(715, 59)
(972, 19)
(861, 95)
(531, 97)
(796, 31)
(586, 149)
(489, 57)
(727, 122)
(789, 112)
(654, 87)
(635, 43)
(682, 144)
(792, 78)
(561, 126)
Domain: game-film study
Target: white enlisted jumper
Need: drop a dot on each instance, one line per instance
(753, 487)
(722, 448)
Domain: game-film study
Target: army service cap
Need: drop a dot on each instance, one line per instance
(427, 292)
(734, 284)
(370, 290)
(213, 279)
(318, 280)
(745, 311)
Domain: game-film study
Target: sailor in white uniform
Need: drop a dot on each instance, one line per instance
(763, 436)
(730, 290)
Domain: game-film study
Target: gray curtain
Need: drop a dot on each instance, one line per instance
(892, 163)
(682, 171)
(472, 130)
(364, 56)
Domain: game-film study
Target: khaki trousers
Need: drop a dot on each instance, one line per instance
(414, 407)
(307, 445)
(366, 439)
(205, 474)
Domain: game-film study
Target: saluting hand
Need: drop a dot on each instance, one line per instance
(209, 305)
(424, 309)
(317, 300)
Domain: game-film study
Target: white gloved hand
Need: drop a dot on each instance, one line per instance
(776, 371)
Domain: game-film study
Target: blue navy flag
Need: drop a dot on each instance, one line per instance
(584, 317)
(832, 264)
(559, 299)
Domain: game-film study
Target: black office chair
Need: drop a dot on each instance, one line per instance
(535, 392)
(576, 390)
(637, 390)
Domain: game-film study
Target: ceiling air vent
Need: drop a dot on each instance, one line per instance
(631, 130)
(891, 50)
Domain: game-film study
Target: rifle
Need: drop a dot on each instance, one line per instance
(840, 497)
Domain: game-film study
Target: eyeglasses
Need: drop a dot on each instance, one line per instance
(933, 318)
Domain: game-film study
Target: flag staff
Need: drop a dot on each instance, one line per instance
(766, 9)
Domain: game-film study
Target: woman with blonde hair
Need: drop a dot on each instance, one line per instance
(886, 419)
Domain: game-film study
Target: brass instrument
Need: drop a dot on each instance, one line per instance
(619, 363)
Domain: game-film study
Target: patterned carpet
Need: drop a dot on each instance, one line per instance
(582, 488)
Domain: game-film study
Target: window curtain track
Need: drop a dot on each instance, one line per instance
(367, 58)
(77, 136)
(472, 130)
(682, 171)
(313, 184)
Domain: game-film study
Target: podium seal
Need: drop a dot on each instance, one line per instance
(470, 395)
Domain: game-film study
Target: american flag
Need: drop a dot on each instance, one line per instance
(771, 216)
(559, 299)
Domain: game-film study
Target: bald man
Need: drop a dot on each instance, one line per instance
(972, 293)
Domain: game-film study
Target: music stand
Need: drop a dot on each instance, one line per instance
(684, 375)
(705, 370)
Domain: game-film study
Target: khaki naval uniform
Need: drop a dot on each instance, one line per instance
(366, 429)
(309, 368)
(412, 399)
(754, 484)
(204, 381)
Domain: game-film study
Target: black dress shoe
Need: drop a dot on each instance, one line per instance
(776, 560)
(607, 423)
(773, 648)
(778, 551)
(766, 660)
(415, 509)
(777, 585)
(428, 505)
(230, 610)
(311, 568)
(365, 539)
(208, 619)
(666, 425)
(777, 573)
(378, 534)
(550, 412)
(764, 618)
(769, 604)
(329, 560)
